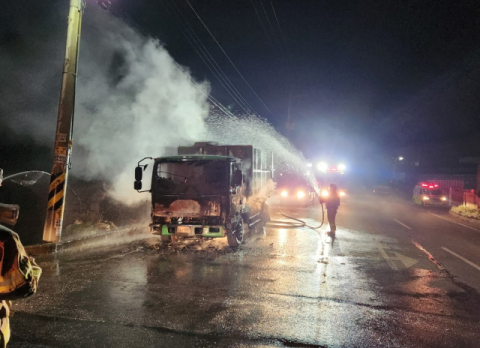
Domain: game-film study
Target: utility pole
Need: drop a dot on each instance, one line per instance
(63, 136)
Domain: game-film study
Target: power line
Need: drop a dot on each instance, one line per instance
(261, 23)
(210, 62)
(238, 71)
(278, 23)
(268, 20)
(139, 31)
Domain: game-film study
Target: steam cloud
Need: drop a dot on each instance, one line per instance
(144, 104)
(133, 101)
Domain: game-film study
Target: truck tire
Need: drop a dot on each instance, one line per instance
(166, 239)
(235, 236)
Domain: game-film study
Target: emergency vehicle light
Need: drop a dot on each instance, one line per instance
(429, 185)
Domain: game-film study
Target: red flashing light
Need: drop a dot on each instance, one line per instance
(429, 185)
(333, 169)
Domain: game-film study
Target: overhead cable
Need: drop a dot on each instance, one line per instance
(212, 100)
(211, 63)
(226, 55)
(261, 23)
(278, 23)
(268, 20)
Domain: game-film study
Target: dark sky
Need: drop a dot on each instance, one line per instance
(359, 77)
(398, 71)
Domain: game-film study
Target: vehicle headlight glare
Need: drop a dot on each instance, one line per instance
(300, 194)
(284, 193)
(322, 166)
(324, 193)
(425, 198)
(342, 193)
(444, 198)
(342, 167)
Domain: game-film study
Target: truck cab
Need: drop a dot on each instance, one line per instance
(197, 194)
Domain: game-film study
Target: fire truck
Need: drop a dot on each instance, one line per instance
(209, 190)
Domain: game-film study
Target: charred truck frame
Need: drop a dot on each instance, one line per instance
(209, 190)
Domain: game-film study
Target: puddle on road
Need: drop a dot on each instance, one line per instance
(204, 246)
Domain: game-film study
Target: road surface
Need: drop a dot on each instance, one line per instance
(395, 276)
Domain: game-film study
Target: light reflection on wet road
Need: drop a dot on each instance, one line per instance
(290, 288)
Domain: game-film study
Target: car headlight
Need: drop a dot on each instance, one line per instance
(342, 193)
(300, 194)
(425, 198)
(324, 193)
(322, 166)
(444, 198)
(284, 193)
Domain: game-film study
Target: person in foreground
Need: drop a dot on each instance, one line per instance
(19, 273)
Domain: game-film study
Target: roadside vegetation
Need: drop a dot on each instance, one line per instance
(470, 212)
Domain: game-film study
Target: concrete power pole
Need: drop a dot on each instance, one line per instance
(63, 136)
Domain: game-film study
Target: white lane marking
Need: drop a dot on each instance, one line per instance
(458, 223)
(462, 258)
(405, 260)
(386, 257)
(402, 224)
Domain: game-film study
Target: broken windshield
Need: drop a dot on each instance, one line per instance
(192, 177)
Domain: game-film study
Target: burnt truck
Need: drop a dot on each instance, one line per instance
(209, 190)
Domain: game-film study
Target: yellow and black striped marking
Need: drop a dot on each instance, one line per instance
(56, 191)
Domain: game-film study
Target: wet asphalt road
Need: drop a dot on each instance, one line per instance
(385, 281)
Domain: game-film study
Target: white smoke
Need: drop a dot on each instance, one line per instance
(133, 101)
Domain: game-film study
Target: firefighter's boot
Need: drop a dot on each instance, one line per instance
(333, 228)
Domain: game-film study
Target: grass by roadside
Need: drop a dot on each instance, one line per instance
(469, 212)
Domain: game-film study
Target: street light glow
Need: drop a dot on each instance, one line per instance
(400, 158)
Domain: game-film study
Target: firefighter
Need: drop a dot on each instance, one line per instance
(332, 202)
(19, 274)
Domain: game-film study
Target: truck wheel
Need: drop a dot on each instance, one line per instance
(235, 236)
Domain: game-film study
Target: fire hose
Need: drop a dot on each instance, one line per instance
(300, 223)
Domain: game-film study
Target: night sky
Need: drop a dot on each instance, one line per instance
(363, 80)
